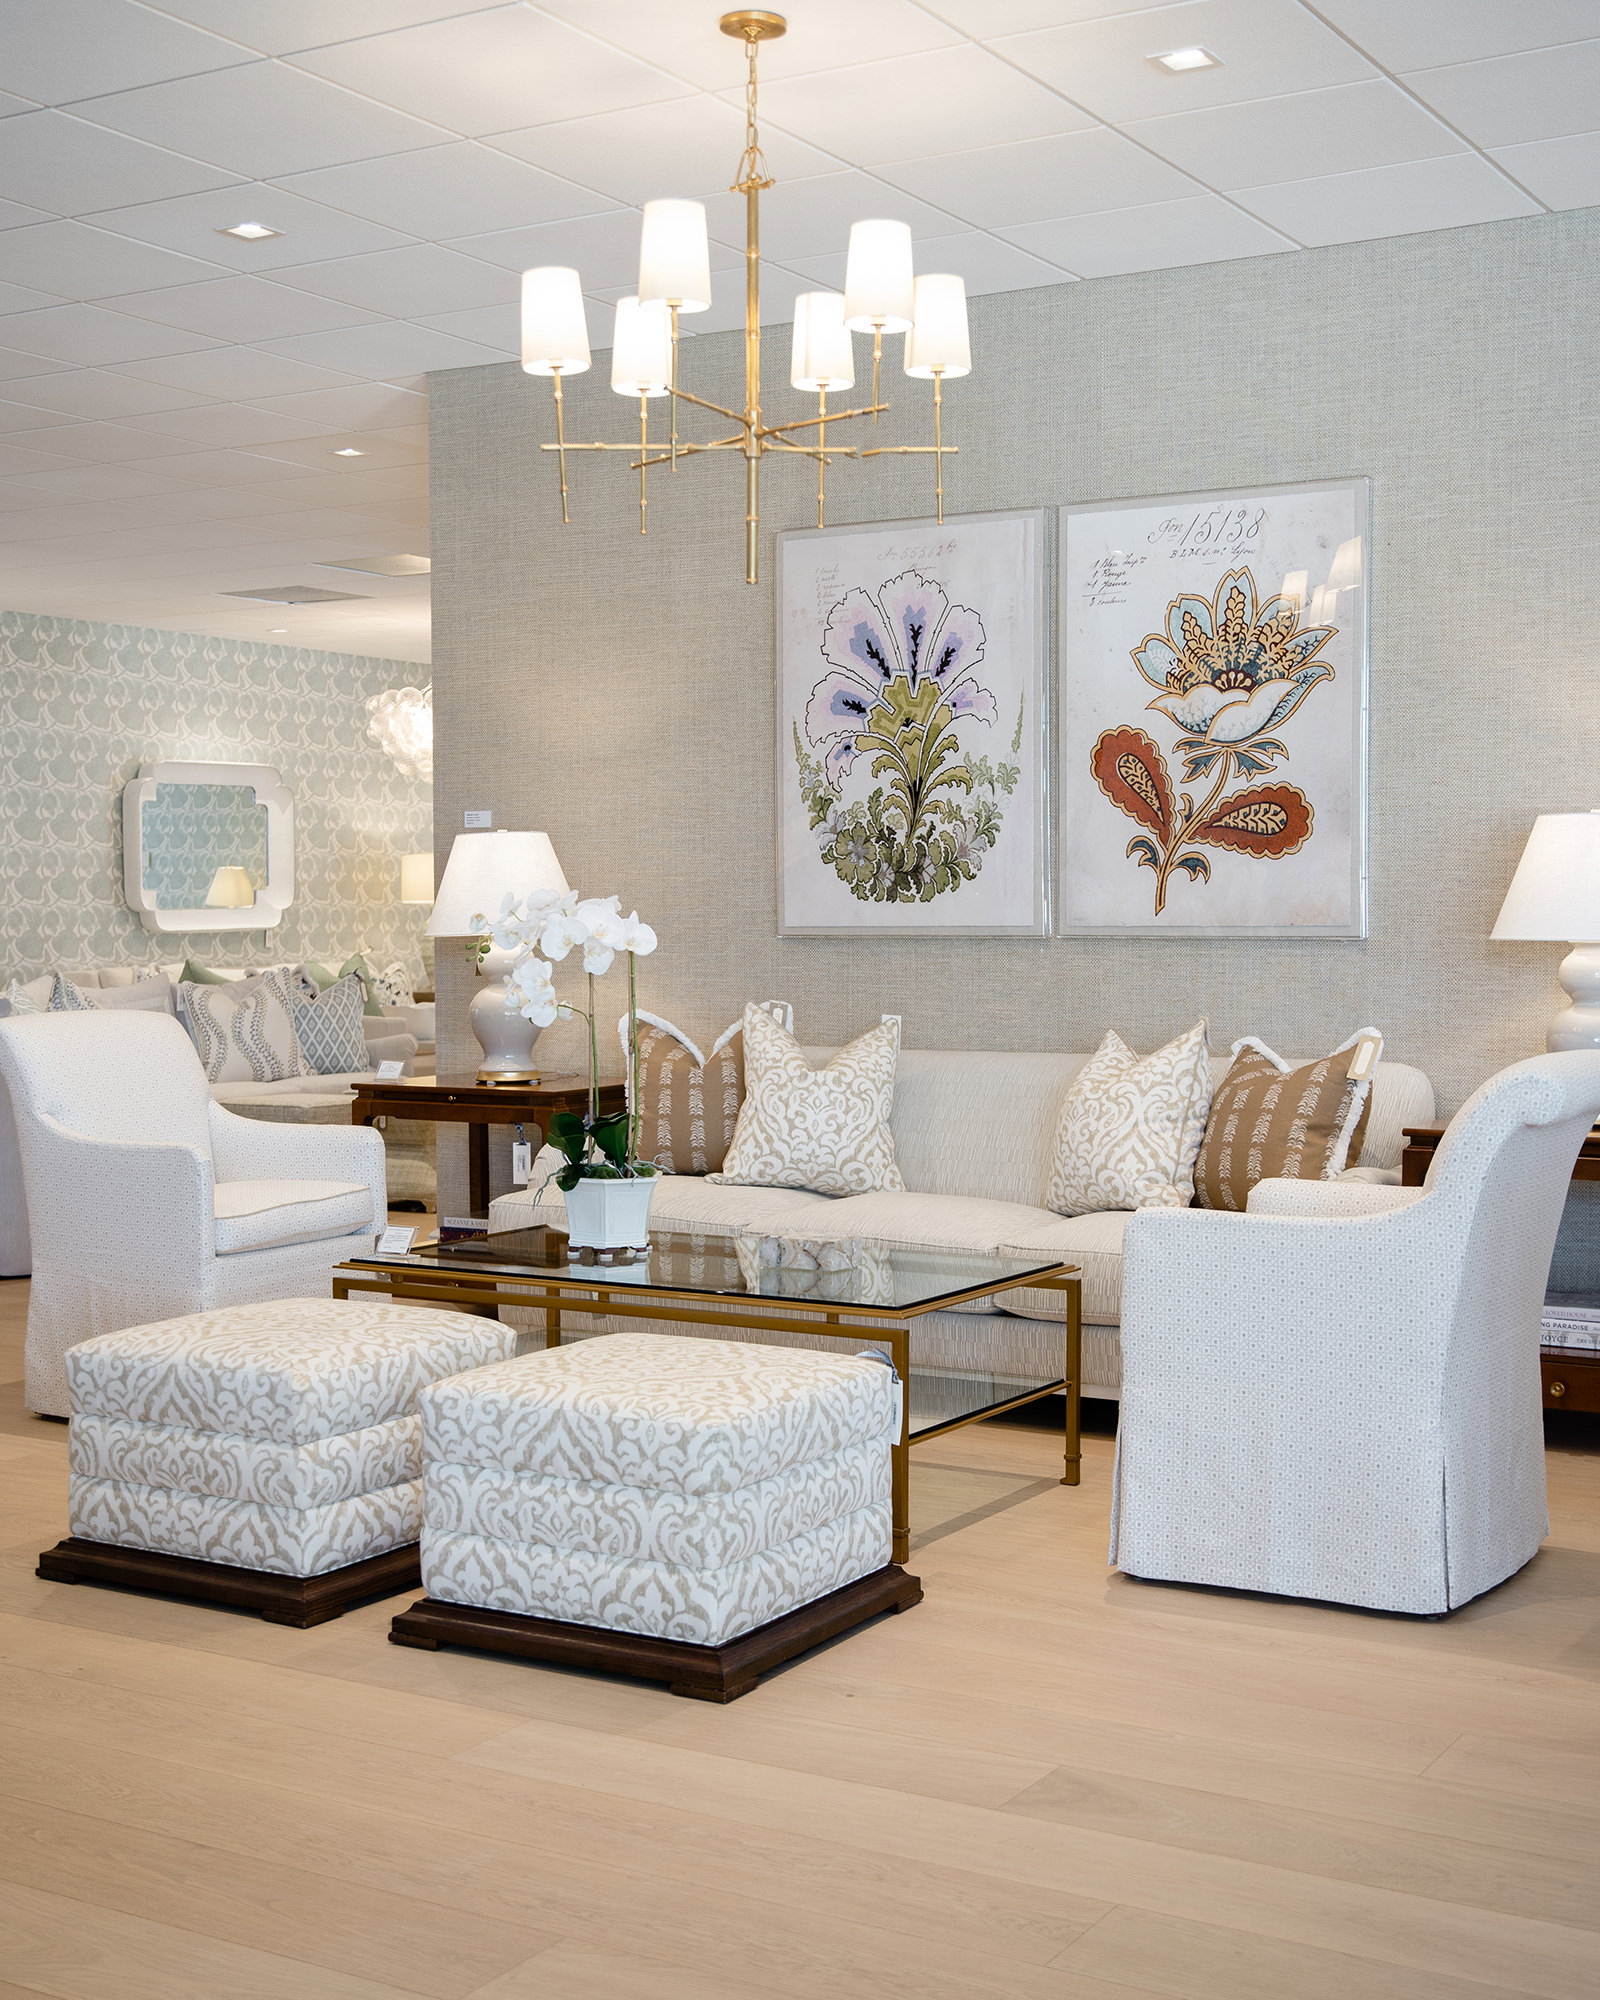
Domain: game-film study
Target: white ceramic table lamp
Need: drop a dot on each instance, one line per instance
(1555, 894)
(483, 869)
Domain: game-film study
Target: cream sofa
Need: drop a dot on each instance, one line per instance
(973, 1136)
(388, 1039)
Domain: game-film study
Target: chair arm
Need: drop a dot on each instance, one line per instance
(252, 1149)
(117, 1201)
(1328, 1199)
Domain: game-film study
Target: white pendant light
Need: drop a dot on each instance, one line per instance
(878, 282)
(938, 343)
(821, 358)
(555, 333)
(675, 256)
(641, 350)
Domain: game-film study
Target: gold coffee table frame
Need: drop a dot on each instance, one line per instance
(484, 1292)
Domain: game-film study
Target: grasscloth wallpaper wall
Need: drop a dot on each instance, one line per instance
(618, 692)
(83, 705)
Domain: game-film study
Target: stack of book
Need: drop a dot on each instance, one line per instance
(1571, 1319)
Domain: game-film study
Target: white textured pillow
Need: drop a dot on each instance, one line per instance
(244, 1031)
(1131, 1126)
(825, 1129)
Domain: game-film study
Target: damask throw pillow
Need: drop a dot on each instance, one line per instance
(1273, 1122)
(244, 1031)
(688, 1104)
(1130, 1127)
(328, 1028)
(824, 1129)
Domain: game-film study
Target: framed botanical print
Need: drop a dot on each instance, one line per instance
(913, 729)
(1213, 715)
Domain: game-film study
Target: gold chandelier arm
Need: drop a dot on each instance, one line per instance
(644, 460)
(832, 417)
(561, 447)
(720, 409)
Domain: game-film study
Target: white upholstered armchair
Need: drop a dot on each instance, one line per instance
(147, 1199)
(1336, 1395)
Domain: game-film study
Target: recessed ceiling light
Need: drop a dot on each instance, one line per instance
(349, 451)
(273, 631)
(252, 232)
(295, 593)
(1181, 59)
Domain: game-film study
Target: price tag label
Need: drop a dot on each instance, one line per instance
(521, 1163)
(388, 1072)
(395, 1242)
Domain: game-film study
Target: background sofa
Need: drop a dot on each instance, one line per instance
(973, 1136)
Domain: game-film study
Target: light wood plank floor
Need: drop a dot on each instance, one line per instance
(1044, 1782)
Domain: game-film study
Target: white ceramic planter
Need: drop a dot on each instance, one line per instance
(610, 1215)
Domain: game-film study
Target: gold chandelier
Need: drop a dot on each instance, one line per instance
(881, 295)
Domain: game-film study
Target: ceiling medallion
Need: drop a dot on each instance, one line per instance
(881, 295)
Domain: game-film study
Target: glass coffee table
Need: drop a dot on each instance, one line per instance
(711, 1281)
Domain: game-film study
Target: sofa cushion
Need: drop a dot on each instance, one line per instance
(1130, 1127)
(825, 1129)
(1092, 1241)
(255, 1215)
(1272, 1121)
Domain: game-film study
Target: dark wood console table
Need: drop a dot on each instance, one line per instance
(1571, 1375)
(462, 1100)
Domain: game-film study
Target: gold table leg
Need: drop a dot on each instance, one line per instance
(1074, 1383)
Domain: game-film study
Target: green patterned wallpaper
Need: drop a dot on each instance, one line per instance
(83, 705)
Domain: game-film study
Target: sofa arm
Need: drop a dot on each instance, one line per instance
(1328, 1199)
(252, 1149)
(393, 1047)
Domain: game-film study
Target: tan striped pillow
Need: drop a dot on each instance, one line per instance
(689, 1103)
(1271, 1122)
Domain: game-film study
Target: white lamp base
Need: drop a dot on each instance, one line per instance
(1578, 1026)
(505, 1037)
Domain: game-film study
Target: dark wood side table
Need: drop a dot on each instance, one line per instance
(462, 1100)
(1571, 1375)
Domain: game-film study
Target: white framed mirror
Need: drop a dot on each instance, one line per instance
(208, 847)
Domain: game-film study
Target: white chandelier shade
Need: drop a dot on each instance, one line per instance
(555, 333)
(400, 722)
(939, 343)
(821, 358)
(641, 350)
(878, 282)
(675, 256)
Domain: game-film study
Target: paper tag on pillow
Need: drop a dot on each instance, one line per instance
(521, 1163)
(388, 1072)
(1362, 1058)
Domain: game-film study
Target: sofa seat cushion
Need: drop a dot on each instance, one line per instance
(1094, 1242)
(255, 1215)
(950, 1222)
(681, 1201)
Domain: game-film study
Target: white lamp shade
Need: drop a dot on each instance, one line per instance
(641, 350)
(674, 256)
(416, 878)
(879, 287)
(938, 343)
(555, 333)
(821, 357)
(485, 868)
(1555, 893)
(231, 889)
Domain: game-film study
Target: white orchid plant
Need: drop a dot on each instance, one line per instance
(542, 930)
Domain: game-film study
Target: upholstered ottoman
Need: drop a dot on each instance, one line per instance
(691, 1511)
(268, 1456)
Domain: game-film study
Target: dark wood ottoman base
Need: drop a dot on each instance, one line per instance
(704, 1673)
(281, 1600)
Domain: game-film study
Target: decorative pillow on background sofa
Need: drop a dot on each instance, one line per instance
(824, 1129)
(144, 996)
(1270, 1122)
(32, 998)
(688, 1103)
(244, 1029)
(1130, 1127)
(328, 1028)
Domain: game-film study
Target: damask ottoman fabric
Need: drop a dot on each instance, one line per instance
(244, 1534)
(246, 1468)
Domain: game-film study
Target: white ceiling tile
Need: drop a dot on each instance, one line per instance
(14, 216)
(54, 53)
(20, 298)
(1334, 131)
(1266, 47)
(91, 336)
(1563, 172)
(104, 443)
(687, 147)
(986, 264)
(67, 167)
(604, 248)
(1420, 32)
(812, 218)
(76, 261)
(99, 482)
(1388, 201)
(1204, 230)
(25, 417)
(10, 106)
(907, 107)
(1071, 173)
(17, 460)
(406, 284)
(237, 372)
(1509, 100)
(452, 190)
(229, 424)
(355, 489)
(261, 120)
(96, 393)
(779, 284)
(13, 363)
(244, 308)
(194, 223)
(205, 468)
(499, 327)
(318, 454)
(478, 73)
(355, 408)
(379, 351)
(281, 25)
(412, 434)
